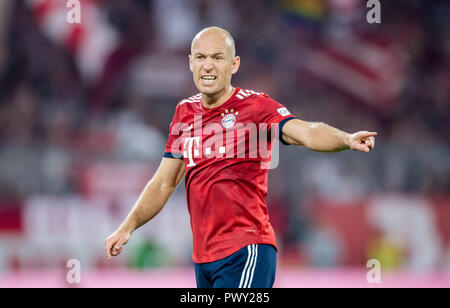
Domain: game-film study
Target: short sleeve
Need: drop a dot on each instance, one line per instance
(173, 147)
(272, 113)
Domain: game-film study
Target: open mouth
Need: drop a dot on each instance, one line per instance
(208, 78)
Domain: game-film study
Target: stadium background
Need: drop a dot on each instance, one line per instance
(84, 116)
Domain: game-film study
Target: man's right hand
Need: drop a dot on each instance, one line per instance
(115, 242)
(150, 203)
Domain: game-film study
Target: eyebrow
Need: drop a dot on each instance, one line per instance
(214, 54)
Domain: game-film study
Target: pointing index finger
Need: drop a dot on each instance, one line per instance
(368, 134)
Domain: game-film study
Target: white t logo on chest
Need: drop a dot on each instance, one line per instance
(190, 152)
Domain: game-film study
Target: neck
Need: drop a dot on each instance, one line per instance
(217, 99)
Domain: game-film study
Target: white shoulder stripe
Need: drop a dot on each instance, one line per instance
(246, 93)
(187, 101)
(192, 99)
(254, 92)
(184, 101)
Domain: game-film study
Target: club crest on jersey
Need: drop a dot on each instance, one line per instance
(229, 118)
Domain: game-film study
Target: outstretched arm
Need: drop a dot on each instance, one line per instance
(321, 137)
(149, 204)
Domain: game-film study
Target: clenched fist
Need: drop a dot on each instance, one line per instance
(115, 242)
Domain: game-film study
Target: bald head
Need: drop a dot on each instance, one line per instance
(215, 33)
(213, 61)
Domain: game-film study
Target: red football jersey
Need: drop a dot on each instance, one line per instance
(227, 151)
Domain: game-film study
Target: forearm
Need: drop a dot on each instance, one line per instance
(325, 138)
(149, 204)
(315, 136)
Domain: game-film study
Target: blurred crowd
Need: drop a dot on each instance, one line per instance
(54, 117)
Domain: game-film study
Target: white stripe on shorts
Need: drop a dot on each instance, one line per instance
(249, 268)
(253, 269)
(246, 265)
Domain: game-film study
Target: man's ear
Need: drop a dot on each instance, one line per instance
(236, 64)
(190, 64)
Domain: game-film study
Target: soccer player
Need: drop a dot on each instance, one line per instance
(226, 180)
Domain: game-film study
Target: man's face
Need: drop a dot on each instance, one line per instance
(212, 64)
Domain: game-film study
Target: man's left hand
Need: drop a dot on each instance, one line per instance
(362, 141)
